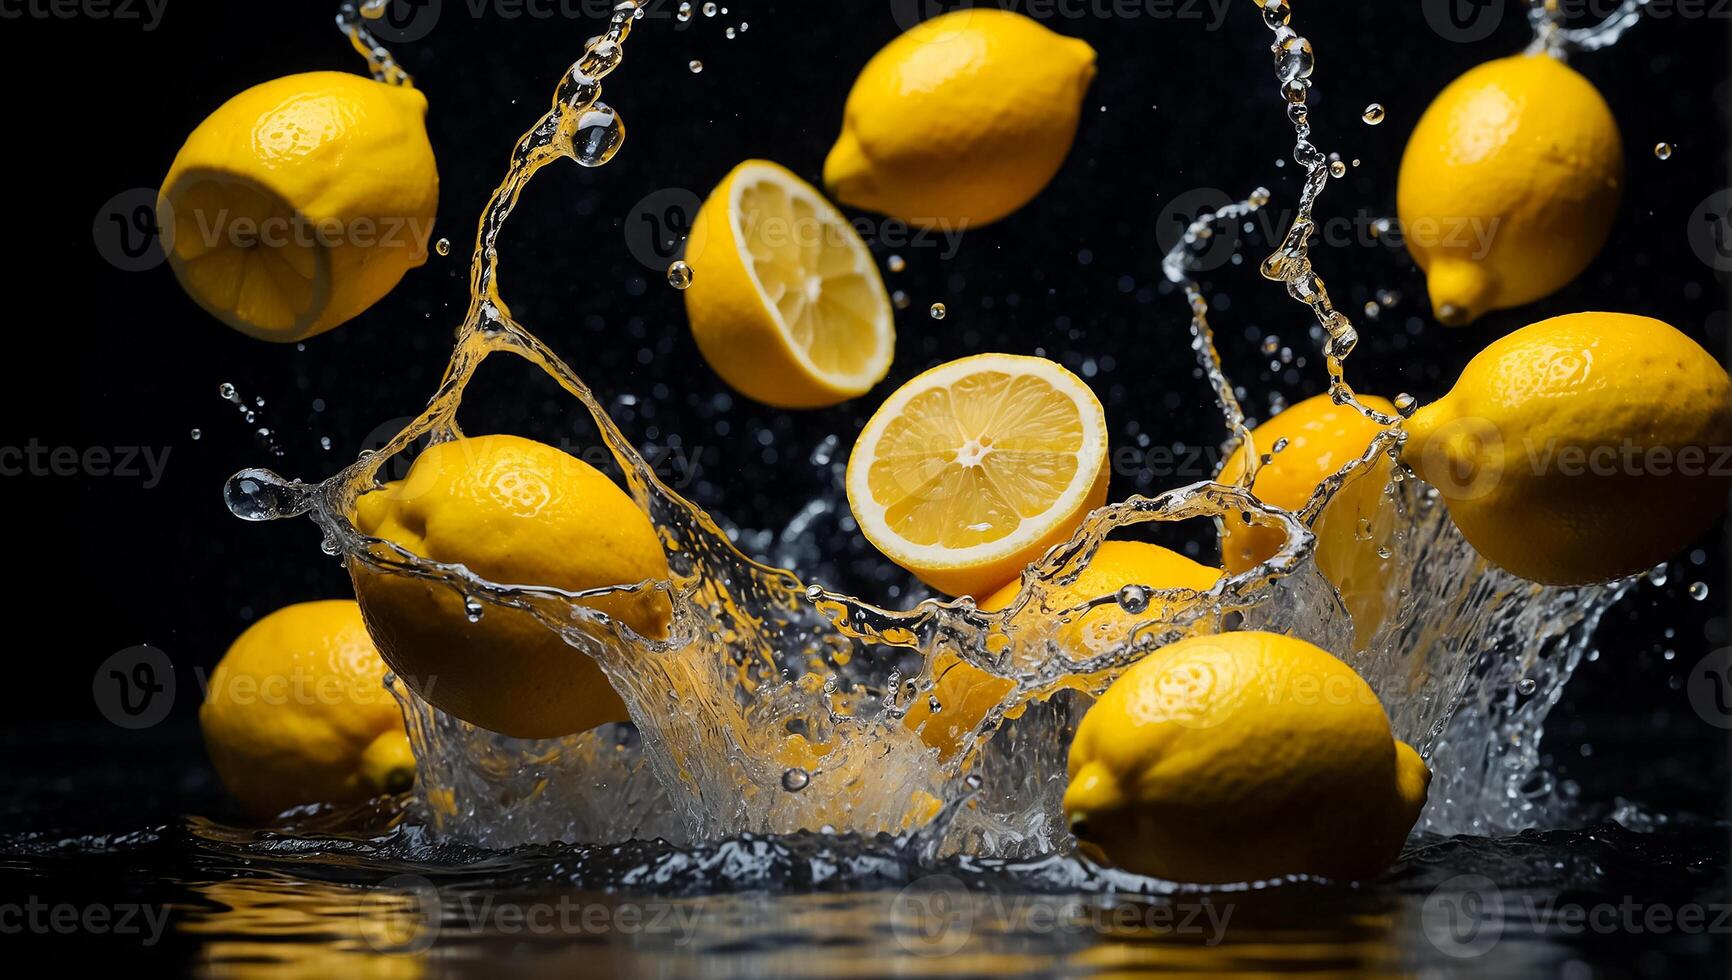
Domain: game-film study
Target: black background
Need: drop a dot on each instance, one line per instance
(1185, 99)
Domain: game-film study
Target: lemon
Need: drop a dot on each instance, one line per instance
(297, 712)
(301, 202)
(1581, 448)
(976, 467)
(785, 301)
(965, 693)
(961, 120)
(1238, 757)
(1318, 438)
(515, 512)
(1509, 185)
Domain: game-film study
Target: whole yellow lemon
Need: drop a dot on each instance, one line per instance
(1581, 448)
(297, 712)
(1238, 757)
(515, 512)
(961, 120)
(1509, 185)
(1317, 438)
(301, 202)
(965, 693)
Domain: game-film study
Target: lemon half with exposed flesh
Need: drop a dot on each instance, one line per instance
(975, 468)
(785, 301)
(301, 202)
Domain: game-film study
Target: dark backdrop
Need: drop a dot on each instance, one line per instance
(1185, 99)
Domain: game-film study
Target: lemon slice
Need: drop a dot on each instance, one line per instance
(785, 301)
(975, 468)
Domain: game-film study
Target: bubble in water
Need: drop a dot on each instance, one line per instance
(695, 65)
(1133, 599)
(796, 779)
(1698, 591)
(1373, 114)
(1526, 686)
(896, 263)
(679, 274)
(1663, 151)
(599, 134)
(442, 246)
(938, 311)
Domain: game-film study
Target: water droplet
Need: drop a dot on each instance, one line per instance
(1526, 686)
(228, 393)
(695, 65)
(796, 779)
(1658, 574)
(1133, 599)
(938, 311)
(1698, 591)
(1294, 61)
(709, 10)
(1337, 168)
(1271, 344)
(729, 33)
(1373, 114)
(260, 495)
(600, 131)
(901, 300)
(197, 434)
(679, 274)
(743, 26)
(325, 443)
(1663, 151)
(1276, 13)
(472, 609)
(1280, 444)
(684, 14)
(1405, 404)
(442, 246)
(896, 263)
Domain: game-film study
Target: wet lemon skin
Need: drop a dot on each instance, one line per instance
(961, 120)
(1581, 448)
(296, 712)
(515, 512)
(1240, 757)
(1509, 185)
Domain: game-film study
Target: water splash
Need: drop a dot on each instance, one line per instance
(762, 676)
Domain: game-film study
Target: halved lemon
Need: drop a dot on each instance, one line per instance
(785, 301)
(975, 468)
(301, 202)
